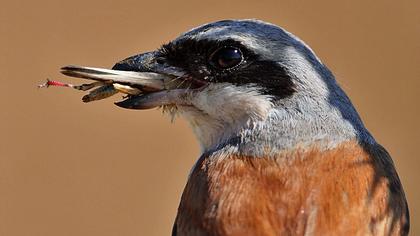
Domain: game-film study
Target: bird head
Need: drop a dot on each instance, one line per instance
(247, 85)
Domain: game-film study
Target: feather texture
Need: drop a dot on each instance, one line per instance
(348, 190)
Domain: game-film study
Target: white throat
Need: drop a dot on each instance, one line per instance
(221, 111)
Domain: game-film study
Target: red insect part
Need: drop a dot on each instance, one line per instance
(54, 83)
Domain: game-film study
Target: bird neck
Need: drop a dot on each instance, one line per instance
(244, 121)
(301, 123)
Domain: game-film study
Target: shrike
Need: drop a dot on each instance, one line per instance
(284, 152)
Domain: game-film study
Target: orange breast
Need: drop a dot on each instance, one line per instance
(350, 190)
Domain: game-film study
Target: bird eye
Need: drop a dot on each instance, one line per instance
(226, 57)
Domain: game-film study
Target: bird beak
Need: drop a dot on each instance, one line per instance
(154, 89)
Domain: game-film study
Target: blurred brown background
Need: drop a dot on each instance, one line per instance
(68, 168)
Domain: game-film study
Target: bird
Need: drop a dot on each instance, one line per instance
(283, 150)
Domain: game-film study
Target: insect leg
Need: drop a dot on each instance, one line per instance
(102, 92)
(82, 87)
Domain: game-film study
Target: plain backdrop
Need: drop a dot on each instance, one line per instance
(69, 168)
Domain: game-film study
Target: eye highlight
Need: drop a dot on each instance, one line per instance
(226, 57)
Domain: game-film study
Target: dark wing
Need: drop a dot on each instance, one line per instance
(386, 194)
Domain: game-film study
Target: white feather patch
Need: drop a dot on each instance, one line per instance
(222, 110)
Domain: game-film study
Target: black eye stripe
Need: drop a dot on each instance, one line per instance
(174, 50)
(198, 58)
